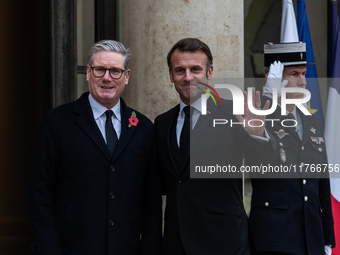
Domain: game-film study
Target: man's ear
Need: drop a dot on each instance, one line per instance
(88, 72)
(210, 72)
(171, 76)
(127, 76)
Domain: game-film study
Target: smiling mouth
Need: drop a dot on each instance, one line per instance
(106, 87)
(187, 85)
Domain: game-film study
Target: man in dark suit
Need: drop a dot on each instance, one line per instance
(202, 216)
(292, 214)
(94, 187)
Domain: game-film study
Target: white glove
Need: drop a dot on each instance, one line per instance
(274, 79)
(328, 250)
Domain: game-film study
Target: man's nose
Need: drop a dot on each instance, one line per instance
(107, 75)
(187, 74)
(302, 81)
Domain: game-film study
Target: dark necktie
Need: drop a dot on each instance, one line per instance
(291, 116)
(290, 119)
(111, 136)
(185, 134)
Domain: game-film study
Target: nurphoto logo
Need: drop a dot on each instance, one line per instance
(238, 104)
(238, 100)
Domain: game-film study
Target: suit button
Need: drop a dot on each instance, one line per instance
(320, 149)
(111, 223)
(281, 144)
(304, 182)
(303, 148)
(266, 204)
(306, 198)
(112, 168)
(179, 181)
(112, 196)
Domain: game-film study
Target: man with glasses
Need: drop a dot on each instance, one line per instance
(94, 188)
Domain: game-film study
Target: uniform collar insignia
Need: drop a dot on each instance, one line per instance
(313, 130)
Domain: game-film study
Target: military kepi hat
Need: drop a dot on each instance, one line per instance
(288, 54)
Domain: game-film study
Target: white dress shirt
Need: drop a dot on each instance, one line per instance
(100, 116)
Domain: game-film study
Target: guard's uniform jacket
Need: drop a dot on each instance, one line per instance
(292, 213)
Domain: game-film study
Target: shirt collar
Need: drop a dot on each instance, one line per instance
(98, 110)
(196, 105)
(292, 112)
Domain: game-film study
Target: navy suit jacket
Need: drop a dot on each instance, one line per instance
(206, 216)
(82, 200)
(294, 215)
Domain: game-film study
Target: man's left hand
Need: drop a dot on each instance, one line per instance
(257, 122)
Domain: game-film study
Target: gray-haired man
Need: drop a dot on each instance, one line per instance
(94, 189)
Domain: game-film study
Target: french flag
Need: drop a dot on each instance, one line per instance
(332, 132)
(289, 31)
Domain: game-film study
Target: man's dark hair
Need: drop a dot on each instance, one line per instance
(191, 45)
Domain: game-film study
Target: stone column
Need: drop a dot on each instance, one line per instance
(151, 27)
(63, 43)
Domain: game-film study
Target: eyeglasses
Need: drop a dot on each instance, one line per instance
(99, 72)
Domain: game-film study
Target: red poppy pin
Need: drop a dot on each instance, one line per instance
(133, 119)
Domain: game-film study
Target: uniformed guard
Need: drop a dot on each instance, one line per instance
(292, 214)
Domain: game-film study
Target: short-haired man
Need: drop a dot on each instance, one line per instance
(202, 216)
(292, 214)
(94, 188)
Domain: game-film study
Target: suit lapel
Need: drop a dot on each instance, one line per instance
(172, 124)
(87, 123)
(307, 125)
(172, 120)
(293, 132)
(126, 131)
(202, 124)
